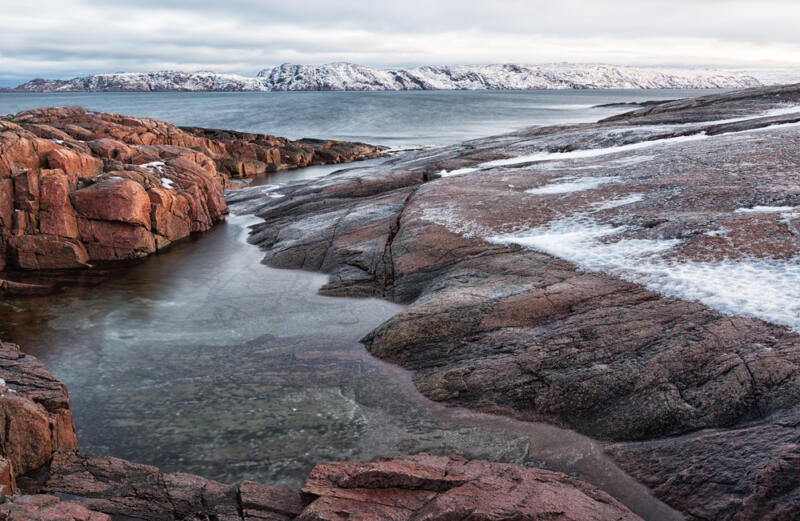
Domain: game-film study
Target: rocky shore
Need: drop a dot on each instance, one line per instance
(634, 280)
(82, 188)
(43, 477)
(79, 188)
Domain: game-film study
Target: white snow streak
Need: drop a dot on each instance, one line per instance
(762, 288)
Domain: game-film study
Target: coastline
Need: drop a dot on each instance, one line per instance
(423, 241)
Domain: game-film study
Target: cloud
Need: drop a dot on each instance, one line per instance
(69, 37)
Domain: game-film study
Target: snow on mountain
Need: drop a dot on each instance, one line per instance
(349, 76)
(147, 81)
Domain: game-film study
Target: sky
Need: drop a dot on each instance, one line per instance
(66, 38)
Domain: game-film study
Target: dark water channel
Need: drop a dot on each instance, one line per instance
(203, 360)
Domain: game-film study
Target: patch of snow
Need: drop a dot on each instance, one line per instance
(459, 171)
(157, 167)
(350, 76)
(447, 216)
(767, 209)
(167, 183)
(578, 184)
(591, 152)
(597, 152)
(58, 141)
(761, 288)
(621, 201)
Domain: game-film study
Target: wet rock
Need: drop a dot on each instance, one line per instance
(407, 487)
(43, 252)
(749, 472)
(438, 488)
(596, 342)
(12, 288)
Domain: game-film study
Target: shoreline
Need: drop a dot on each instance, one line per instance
(397, 234)
(424, 244)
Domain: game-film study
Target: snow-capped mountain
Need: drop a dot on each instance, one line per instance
(160, 81)
(349, 76)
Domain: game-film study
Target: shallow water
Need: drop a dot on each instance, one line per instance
(202, 360)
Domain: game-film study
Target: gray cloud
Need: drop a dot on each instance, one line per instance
(68, 37)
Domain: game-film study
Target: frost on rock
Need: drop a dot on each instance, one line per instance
(762, 288)
(620, 201)
(768, 209)
(447, 215)
(590, 152)
(572, 184)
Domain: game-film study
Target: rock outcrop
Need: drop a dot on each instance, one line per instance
(42, 477)
(80, 187)
(431, 488)
(409, 488)
(633, 279)
(35, 413)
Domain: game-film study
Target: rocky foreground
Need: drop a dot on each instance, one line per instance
(79, 188)
(42, 477)
(634, 279)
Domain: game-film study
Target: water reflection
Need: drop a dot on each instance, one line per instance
(203, 360)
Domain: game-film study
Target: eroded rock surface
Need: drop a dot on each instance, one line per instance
(34, 410)
(431, 488)
(421, 487)
(607, 277)
(54, 482)
(80, 187)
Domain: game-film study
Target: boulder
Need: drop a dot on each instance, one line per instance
(44, 252)
(425, 487)
(113, 199)
(34, 408)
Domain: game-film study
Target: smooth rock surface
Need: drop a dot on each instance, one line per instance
(630, 279)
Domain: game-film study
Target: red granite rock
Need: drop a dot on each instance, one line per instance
(431, 488)
(133, 185)
(35, 411)
(47, 508)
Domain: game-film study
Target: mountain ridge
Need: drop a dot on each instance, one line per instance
(344, 76)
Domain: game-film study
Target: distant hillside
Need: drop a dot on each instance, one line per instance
(349, 76)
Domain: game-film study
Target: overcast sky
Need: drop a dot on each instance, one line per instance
(65, 38)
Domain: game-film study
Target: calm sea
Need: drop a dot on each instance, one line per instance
(389, 118)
